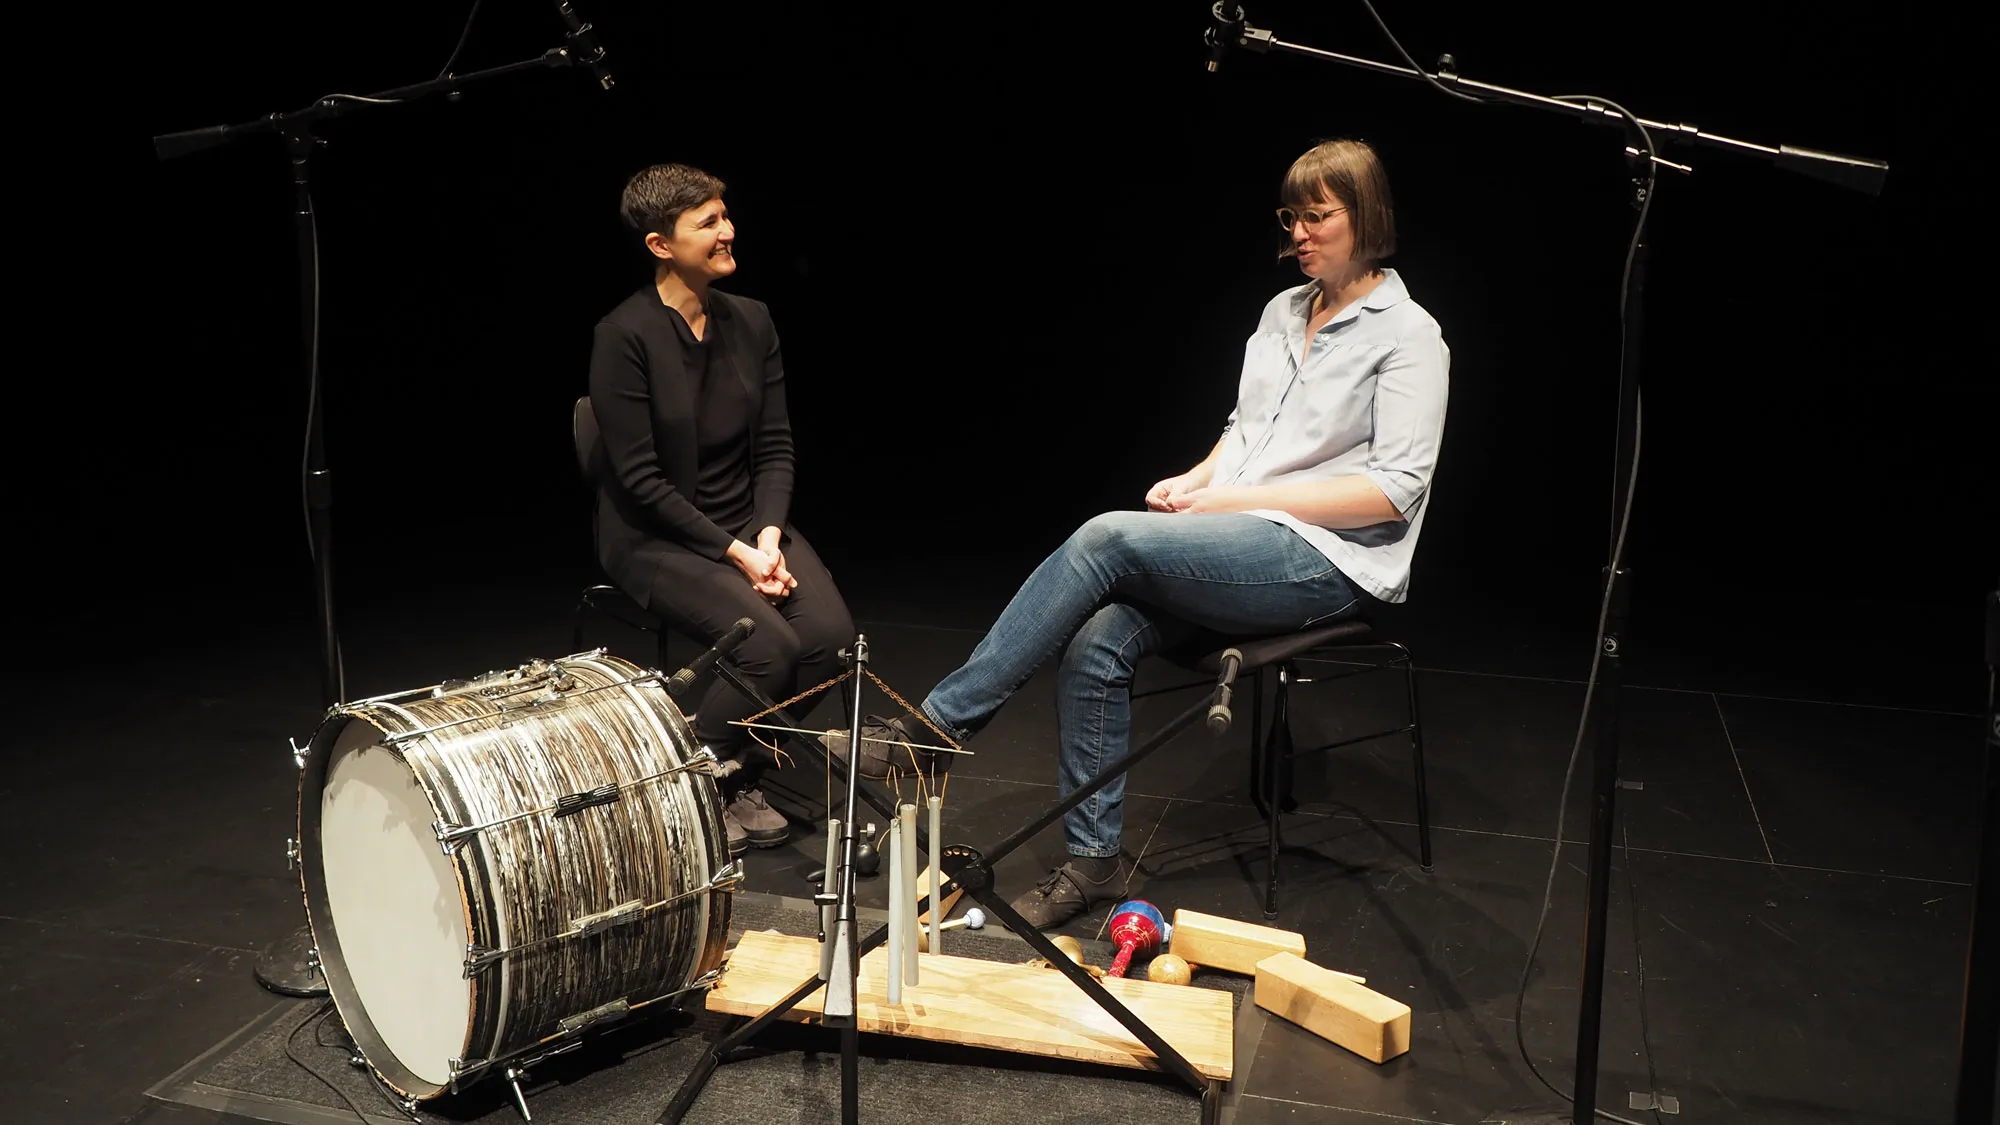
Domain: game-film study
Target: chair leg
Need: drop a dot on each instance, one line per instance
(1257, 711)
(1417, 757)
(1287, 763)
(1257, 781)
(1277, 753)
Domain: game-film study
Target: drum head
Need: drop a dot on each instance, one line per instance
(394, 923)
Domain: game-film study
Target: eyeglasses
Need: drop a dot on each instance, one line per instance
(1287, 218)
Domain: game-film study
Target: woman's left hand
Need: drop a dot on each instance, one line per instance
(1224, 499)
(781, 581)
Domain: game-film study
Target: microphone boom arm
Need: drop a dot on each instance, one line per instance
(1856, 173)
(297, 123)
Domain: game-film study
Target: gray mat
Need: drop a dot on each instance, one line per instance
(627, 1075)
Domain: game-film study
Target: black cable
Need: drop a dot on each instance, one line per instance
(1604, 607)
(326, 1012)
(462, 37)
(312, 383)
(320, 1013)
(313, 405)
(464, 34)
(1390, 36)
(312, 219)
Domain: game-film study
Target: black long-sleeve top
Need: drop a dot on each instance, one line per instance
(697, 443)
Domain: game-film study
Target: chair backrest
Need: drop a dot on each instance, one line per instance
(585, 435)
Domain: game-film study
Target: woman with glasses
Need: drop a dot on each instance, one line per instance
(1306, 511)
(696, 483)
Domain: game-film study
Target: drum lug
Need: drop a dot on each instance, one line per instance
(456, 1070)
(478, 958)
(449, 834)
(291, 853)
(299, 754)
(313, 963)
(727, 878)
(701, 983)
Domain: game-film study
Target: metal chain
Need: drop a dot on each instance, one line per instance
(775, 708)
(886, 690)
(921, 717)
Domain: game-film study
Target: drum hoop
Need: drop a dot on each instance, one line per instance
(326, 937)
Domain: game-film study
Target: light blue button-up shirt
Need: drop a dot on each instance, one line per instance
(1369, 400)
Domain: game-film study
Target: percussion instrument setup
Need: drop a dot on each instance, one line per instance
(494, 868)
(979, 1011)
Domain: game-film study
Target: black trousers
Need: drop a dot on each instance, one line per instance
(796, 644)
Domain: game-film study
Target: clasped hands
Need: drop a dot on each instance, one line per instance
(1186, 494)
(764, 564)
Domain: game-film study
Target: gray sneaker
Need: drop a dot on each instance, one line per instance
(739, 841)
(762, 825)
(1072, 889)
(878, 752)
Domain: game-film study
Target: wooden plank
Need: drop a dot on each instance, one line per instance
(1019, 1008)
(1332, 1007)
(1225, 943)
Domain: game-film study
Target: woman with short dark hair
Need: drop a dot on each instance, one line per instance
(695, 491)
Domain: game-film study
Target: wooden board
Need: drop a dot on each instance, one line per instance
(1019, 1008)
(1332, 1007)
(1225, 943)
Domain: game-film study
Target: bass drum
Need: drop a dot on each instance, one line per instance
(492, 866)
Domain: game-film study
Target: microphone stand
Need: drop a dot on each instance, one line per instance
(1859, 174)
(291, 964)
(1979, 1024)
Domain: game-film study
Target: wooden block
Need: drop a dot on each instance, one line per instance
(1017, 1008)
(951, 896)
(1225, 943)
(1332, 1007)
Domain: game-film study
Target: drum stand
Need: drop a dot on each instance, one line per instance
(968, 868)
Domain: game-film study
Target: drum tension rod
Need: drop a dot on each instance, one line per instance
(724, 881)
(504, 716)
(569, 804)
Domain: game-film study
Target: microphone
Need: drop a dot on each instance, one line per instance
(1219, 716)
(680, 681)
(587, 49)
(1227, 30)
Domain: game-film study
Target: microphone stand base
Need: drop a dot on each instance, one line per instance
(287, 966)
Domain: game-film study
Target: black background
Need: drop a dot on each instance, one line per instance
(1013, 254)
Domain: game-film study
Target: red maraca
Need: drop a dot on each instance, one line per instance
(1136, 927)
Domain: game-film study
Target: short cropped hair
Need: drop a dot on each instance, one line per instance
(1350, 172)
(656, 198)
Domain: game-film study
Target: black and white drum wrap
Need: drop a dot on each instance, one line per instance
(490, 866)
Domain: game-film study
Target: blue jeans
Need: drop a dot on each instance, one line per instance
(1112, 592)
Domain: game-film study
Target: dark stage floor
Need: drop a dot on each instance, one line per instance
(1788, 917)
